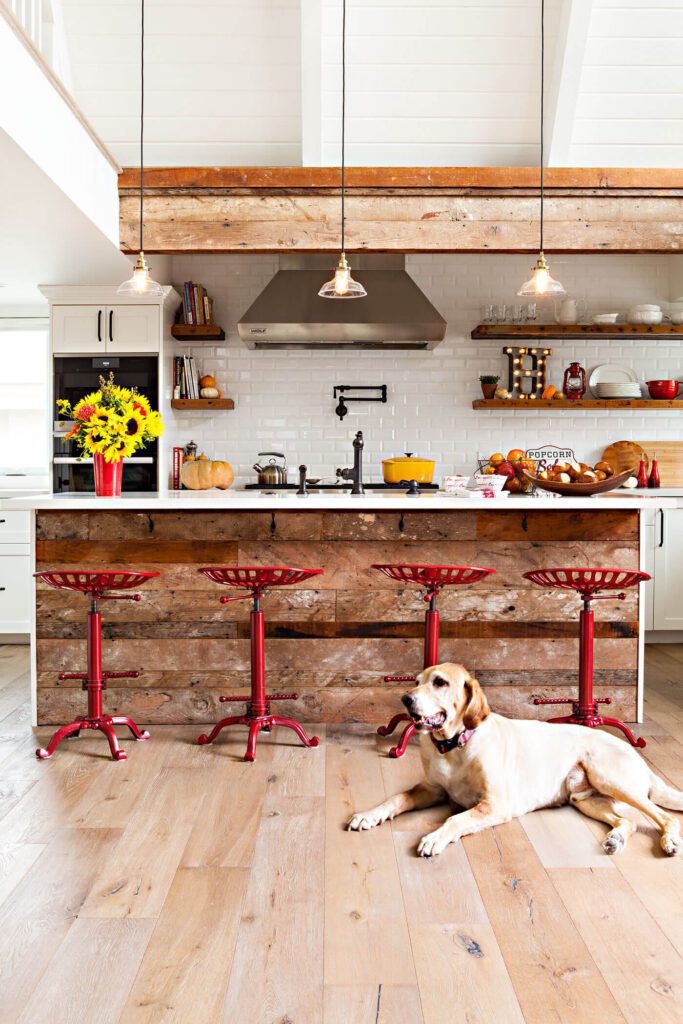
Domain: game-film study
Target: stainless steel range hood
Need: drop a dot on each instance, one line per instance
(395, 314)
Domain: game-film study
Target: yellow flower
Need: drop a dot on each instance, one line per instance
(135, 424)
(119, 449)
(154, 424)
(142, 403)
(95, 441)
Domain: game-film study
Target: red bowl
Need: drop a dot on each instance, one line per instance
(663, 389)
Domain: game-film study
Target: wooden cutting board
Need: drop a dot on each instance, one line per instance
(623, 455)
(669, 458)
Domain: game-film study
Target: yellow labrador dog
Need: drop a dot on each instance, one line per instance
(499, 768)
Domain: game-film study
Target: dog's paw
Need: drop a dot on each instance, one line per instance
(614, 842)
(433, 844)
(363, 820)
(671, 844)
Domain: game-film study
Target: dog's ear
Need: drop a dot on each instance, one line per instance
(477, 707)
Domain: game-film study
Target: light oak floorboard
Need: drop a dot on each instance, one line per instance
(37, 915)
(554, 976)
(366, 932)
(372, 1004)
(15, 860)
(277, 972)
(137, 874)
(90, 974)
(608, 915)
(185, 968)
(561, 839)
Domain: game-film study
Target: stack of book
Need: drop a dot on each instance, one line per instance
(185, 377)
(197, 305)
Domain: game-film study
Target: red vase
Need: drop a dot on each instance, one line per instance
(108, 477)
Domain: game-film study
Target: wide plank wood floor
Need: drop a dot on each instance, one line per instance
(184, 886)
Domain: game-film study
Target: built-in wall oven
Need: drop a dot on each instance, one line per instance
(74, 377)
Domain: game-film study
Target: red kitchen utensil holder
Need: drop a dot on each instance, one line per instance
(257, 581)
(433, 578)
(97, 586)
(589, 583)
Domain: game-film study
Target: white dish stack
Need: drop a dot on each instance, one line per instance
(612, 382)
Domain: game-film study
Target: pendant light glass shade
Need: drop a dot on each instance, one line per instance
(140, 283)
(541, 284)
(342, 285)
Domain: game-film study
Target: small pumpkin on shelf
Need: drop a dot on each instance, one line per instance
(209, 392)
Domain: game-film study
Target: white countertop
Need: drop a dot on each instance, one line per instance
(377, 501)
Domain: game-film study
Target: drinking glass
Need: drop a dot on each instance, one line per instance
(499, 313)
(530, 311)
(487, 314)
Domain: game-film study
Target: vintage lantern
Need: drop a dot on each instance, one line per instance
(574, 385)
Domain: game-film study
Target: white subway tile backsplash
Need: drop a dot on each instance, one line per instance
(284, 399)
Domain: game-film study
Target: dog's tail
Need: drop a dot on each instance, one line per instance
(664, 795)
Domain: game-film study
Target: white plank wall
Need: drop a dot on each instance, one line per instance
(429, 82)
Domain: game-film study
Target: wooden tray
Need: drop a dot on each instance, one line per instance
(623, 455)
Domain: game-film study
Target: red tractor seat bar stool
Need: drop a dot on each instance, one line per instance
(257, 581)
(588, 583)
(97, 586)
(432, 578)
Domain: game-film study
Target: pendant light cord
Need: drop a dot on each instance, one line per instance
(542, 107)
(142, 112)
(343, 125)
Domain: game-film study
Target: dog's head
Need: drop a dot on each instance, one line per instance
(446, 700)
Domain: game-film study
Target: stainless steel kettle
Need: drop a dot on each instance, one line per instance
(272, 473)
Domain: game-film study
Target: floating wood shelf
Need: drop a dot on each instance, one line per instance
(556, 332)
(198, 332)
(202, 403)
(568, 403)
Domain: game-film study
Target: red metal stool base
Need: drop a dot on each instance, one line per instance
(94, 680)
(588, 583)
(258, 715)
(433, 578)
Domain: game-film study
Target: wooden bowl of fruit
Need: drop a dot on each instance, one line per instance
(576, 479)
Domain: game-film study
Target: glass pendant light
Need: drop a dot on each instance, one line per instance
(541, 284)
(342, 285)
(141, 283)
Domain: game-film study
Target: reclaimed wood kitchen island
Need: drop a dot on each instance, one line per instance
(335, 639)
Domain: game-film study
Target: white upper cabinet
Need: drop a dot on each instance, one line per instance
(132, 329)
(79, 329)
(89, 330)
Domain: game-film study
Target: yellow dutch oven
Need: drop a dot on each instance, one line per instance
(408, 468)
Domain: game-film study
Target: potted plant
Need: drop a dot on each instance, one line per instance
(488, 382)
(110, 425)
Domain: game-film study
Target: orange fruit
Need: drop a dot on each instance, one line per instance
(488, 470)
(515, 455)
(497, 458)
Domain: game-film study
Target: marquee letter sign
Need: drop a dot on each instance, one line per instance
(520, 372)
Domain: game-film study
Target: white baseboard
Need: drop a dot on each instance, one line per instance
(15, 638)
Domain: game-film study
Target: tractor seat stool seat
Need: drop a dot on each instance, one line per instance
(432, 578)
(96, 585)
(256, 581)
(588, 583)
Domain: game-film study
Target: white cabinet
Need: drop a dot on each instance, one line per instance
(668, 560)
(650, 519)
(16, 580)
(92, 329)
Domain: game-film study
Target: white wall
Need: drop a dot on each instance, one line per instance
(284, 400)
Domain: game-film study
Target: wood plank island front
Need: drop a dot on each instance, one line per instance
(334, 639)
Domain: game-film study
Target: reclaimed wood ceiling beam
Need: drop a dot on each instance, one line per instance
(403, 209)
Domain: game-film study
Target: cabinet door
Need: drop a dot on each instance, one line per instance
(78, 329)
(132, 329)
(15, 599)
(668, 562)
(15, 527)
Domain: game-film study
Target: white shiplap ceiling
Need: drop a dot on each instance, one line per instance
(428, 83)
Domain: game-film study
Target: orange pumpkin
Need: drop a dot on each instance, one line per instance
(203, 474)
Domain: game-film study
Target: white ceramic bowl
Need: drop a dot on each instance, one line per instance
(647, 317)
(605, 318)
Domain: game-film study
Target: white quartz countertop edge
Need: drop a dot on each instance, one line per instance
(237, 501)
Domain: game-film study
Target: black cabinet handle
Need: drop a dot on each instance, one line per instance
(3, 520)
(111, 324)
(99, 325)
(661, 528)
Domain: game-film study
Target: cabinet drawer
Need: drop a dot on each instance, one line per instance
(15, 599)
(15, 527)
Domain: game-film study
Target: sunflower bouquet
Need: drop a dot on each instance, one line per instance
(113, 422)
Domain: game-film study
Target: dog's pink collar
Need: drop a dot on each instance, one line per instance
(444, 746)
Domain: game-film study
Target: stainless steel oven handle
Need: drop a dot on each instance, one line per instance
(72, 460)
